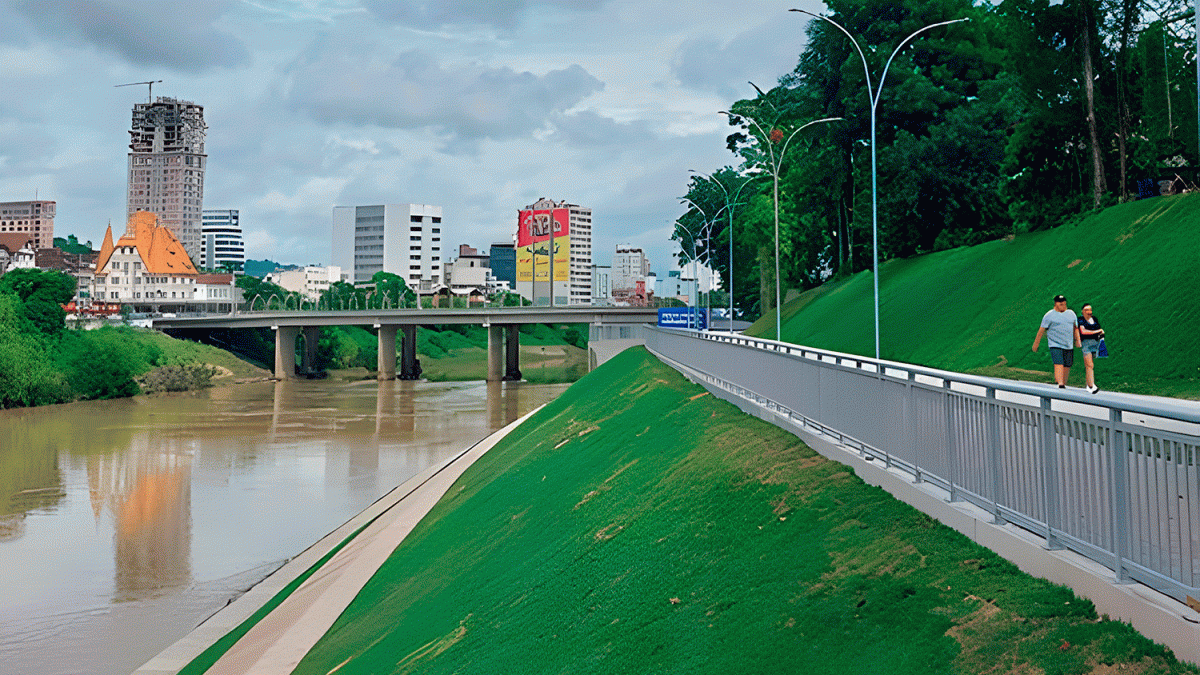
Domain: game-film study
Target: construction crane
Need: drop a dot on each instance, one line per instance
(150, 88)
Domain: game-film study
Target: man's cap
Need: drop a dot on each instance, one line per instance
(1060, 298)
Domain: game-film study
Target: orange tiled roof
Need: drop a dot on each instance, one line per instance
(160, 251)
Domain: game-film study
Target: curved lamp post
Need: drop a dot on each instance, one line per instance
(773, 166)
(873, 96)
(731, 204)
(707, 229)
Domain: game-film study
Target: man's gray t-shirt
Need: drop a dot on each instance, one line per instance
(1060, 328)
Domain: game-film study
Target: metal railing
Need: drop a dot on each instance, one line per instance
(1112, 477)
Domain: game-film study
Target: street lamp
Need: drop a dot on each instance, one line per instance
(731, 204)
(873, 96)
(708, 223)
(775, 163)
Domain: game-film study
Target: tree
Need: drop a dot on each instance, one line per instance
(388, 287)
(42, 294)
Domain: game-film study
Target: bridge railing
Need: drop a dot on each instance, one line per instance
(1113, 478)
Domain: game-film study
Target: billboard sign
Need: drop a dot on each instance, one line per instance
(540, 231)
(678, 317)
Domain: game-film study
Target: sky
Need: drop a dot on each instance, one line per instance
(480, 107)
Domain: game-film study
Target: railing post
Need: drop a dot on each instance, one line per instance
(1120, 475)
(1049, 474)
(951, 444)
(910, 422)
(993, 449)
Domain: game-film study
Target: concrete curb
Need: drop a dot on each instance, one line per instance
(1157, 616)
(175, 657)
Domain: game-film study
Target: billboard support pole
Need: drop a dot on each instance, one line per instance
(553, 227)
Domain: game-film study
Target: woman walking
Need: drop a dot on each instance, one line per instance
(1090, 334)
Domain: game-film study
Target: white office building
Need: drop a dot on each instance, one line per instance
(630, 265)
(311, 281)
(403, 239)
(221, 240)
(166, 167)
(602, 286)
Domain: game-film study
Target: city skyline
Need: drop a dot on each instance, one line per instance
(315, 104)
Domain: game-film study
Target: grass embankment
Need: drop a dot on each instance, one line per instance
(637, 524)
(977, 309)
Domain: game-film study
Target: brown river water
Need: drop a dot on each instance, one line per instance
(124, 524)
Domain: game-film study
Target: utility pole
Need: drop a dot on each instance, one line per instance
(150, 86)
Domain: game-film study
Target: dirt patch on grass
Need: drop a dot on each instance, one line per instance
(219, 372)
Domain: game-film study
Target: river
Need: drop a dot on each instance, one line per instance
(124, 524)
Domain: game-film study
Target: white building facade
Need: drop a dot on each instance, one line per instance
(166, 167)
(310, 281)
(402, 239)
(630, 265)
(221, 240)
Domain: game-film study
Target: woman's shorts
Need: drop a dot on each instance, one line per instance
(1062, 357)
(1091, 347)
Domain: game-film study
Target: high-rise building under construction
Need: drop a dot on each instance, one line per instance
(166, 166)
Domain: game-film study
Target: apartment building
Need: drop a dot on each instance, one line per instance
(166, 167)
(34, 218)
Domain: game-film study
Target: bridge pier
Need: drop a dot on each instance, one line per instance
(495, 348)
(410, 366)
(386, 352)
(312, 336)
(512, 353)
(285, 351)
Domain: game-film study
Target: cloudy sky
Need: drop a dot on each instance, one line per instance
(479, 106)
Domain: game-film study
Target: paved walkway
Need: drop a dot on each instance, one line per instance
(277, 643)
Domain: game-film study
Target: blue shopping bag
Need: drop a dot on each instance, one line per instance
(1103, 351)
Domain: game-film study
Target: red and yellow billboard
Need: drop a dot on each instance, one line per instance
(534, 242)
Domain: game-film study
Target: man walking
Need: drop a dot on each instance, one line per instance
(1061, 328)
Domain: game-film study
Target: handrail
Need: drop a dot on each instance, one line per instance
(1124, 492)
(1181, 411)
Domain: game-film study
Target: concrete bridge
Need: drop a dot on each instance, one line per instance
(502, 323)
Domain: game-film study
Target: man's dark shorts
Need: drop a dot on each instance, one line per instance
(1062, 357)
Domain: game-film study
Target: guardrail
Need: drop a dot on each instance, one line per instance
(1112, 477)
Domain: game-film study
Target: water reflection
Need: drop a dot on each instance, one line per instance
(125, 523)
(147, 490)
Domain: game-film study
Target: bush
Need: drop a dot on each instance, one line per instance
(177, 378)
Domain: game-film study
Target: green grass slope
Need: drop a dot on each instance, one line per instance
(978, 308)
(637, 524)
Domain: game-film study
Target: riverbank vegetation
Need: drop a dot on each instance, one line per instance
(636, 524)
(976, 309)
(42, 361)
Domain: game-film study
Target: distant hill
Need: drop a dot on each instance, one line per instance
(71, 245)
(261, 268)
(977, 309)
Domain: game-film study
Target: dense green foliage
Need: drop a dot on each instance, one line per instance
(41, 362)
(71, 245)
(1019, 119)
(636, 525)
(978, 308)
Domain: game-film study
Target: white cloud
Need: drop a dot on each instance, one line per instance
(313, 195)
